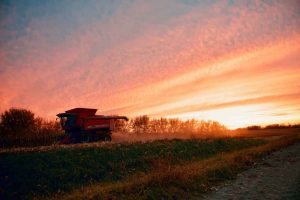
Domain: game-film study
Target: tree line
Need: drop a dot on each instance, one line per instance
(144, 124)
(273, 126)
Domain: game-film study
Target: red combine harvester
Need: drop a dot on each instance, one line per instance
(82, 125)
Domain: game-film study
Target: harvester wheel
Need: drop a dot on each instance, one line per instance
(107, 138)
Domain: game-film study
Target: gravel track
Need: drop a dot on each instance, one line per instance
(276, 177)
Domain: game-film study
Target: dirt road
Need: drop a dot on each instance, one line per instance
(276, 177)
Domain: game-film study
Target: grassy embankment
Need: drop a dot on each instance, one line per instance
(175, 168)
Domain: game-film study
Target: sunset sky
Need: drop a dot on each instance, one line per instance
(236, 62)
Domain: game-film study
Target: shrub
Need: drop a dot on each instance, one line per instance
(19, 127)
(17, 121)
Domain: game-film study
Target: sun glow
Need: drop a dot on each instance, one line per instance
(223, 61)
(240, 116)
(263, 91)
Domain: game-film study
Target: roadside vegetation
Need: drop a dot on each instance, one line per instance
(45, 173)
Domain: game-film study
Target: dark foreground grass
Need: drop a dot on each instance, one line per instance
(181, 181)
(27, 175)
(294, 193)
(34, 140)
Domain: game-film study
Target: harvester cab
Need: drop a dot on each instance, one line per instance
(82, 125)
(67, 120)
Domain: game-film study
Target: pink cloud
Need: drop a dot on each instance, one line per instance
(151, 57)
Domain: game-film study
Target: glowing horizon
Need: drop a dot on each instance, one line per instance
(235, 62)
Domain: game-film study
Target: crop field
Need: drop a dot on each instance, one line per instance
(264, 133)
(170, 169)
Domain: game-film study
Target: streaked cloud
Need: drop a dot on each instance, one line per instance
(162, 58)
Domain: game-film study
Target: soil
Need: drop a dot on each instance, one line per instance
(275, 177)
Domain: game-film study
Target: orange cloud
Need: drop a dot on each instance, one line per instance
(156, 58)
